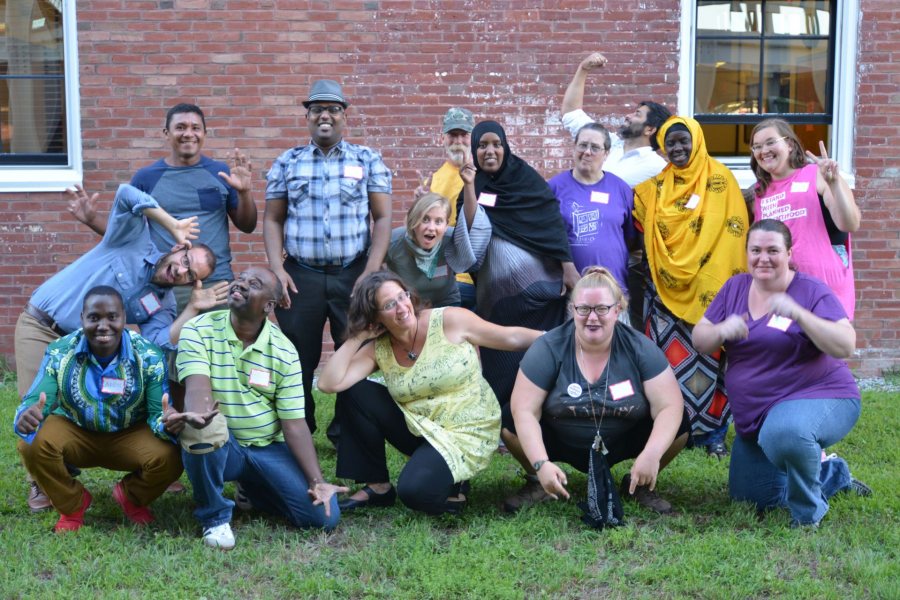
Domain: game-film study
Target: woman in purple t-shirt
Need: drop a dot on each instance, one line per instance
(791, 393)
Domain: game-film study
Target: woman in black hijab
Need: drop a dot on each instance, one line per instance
(511, 237)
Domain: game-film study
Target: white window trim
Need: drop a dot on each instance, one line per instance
(845, 60)
(38, 178)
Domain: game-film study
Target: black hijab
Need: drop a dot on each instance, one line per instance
(526, 212)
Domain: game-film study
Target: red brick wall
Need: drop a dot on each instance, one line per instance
(248, 64)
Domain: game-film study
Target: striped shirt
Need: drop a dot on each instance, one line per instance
(256, 386)
(105, 399)
(327, 221)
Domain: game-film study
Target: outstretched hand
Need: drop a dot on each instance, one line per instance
(322, 492)
(828, 167)
(81, 205)
(241, 169)
(207, 298)
(31, 417)
(186, 230)
(175, 421)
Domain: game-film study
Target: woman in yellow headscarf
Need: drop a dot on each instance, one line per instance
(694, 221)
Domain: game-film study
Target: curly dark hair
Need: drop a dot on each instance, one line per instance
(363, 312)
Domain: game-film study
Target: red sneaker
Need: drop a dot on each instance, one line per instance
(74, 521)
(139, 515)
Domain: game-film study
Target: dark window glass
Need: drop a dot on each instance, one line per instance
(32, 83)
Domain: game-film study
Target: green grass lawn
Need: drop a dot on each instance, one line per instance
(710, 548)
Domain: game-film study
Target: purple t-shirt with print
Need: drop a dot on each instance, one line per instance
(598, 221)
(775, 364)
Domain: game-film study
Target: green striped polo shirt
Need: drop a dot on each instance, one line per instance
(256, 386)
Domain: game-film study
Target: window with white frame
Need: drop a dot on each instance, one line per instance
(743, 62)
(40, 146)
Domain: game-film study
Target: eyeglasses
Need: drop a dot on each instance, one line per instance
(594, 148)
(388, 306)
(333, 109)
(767, 144)
(584, 310)
(186, 263)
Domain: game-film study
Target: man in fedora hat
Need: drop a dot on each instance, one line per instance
(239, 363)
(319, 201)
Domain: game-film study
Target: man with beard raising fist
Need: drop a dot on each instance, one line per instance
(632, 156)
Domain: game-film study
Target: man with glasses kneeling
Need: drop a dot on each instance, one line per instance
(127, 260)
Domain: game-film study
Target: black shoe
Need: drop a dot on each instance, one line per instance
(373, 498)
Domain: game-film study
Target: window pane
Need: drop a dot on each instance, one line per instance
(808, 17)
(796, 76)
(728, 18)
(32, 83)
(727, 77)
(734, 140)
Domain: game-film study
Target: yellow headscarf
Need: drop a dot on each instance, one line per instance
(695, 227)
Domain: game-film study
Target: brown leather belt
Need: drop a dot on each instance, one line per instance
(43, 318)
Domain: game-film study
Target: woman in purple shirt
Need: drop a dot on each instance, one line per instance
(791, 393)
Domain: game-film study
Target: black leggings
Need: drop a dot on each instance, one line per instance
(369, 416)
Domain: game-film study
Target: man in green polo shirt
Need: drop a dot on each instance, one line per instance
(238, 361)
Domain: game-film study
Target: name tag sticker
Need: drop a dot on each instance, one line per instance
(621, 390)
(486, 199)
(150, 303)
(574, 390)
(693, 202)
(600, 197)
(112, 385)
(353, 171)
(799, 187)
(259, 378)
(779, 322)
(440, 271)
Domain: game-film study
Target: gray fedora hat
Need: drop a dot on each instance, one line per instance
(326, 90)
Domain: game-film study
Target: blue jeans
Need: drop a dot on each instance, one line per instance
(784, 466)
(270, 477)
(466, 295)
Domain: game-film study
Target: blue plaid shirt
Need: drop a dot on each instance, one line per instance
(327, 220)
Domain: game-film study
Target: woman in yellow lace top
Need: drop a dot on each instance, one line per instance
(436, 406)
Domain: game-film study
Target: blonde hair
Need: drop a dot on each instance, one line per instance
(421, 206)
(600, 277)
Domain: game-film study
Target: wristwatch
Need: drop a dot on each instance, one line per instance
(538, 464)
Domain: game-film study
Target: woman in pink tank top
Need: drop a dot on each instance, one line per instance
(807, 193)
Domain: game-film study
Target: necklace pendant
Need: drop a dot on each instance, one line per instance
(412, 355)
(598, 442)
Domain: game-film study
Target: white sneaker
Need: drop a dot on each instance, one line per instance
(219, 536)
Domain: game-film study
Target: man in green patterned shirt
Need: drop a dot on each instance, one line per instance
(97, 400)
(239, 362)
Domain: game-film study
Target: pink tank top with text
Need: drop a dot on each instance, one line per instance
(795, 202)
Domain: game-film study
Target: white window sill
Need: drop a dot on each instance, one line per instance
(38, 179)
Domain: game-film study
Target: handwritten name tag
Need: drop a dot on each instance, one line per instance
(150, 303)
(799, 187)
(693, 202)
(779, 322)
(621, 390)
(486, 199)
(600, 197)
(112, 385)
(259, 378)
(353, 171)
